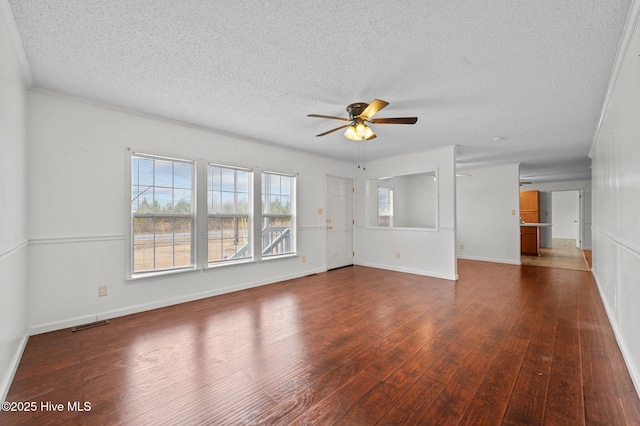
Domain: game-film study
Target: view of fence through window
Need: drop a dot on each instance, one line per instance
(163, 214)
(277, 199)
(161, 211)
(229, 213)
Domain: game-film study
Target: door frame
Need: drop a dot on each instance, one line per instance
(353, 209)
(580, 217)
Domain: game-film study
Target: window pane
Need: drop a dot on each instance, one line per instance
(285, 185)
(182, 201)
(142, 171)
(227, 202)
(228, 179)
(214, 177)
(162, 200)
(160, 240)
(215, 203)
(243, 181)
(182, 242)
(385, 206)
(276, 236)
(228, 239)
(278, 233)
(243, 203)
(229, 192)
(139, 202)
(143, 242)
(163, 173)
(182, 175)
(164, 243)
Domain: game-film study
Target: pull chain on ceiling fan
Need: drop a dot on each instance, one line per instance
(360, 114)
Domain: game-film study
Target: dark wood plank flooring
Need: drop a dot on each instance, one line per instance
(355, 346)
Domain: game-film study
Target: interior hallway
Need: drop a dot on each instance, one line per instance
(564, 255)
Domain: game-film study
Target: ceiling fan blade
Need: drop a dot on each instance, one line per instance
(328, 116)
(332, 130)
(398, 120)
(373, 108)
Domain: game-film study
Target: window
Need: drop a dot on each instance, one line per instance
(385, 206)
(278, 214)
(178, 205)
(162, 214)
(229, 219)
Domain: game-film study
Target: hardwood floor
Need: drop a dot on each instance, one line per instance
(356, 346)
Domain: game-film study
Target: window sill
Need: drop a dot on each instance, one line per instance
(218, 265)
(282, 256)
(147, 276)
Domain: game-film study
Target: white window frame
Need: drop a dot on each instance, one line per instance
(193, 215)
(200, 213)
(249, 217)
(291, 240)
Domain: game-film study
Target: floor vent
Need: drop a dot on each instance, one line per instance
(89, 325)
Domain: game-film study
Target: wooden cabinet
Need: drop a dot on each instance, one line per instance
(530, 213)
(530, 240)
(530, 206)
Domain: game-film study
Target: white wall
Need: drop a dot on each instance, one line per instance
(616, 198)
(423, 212)
(79, 197)
(13, 207)
(546, 216)
(584, 187)
(425, 252)
(564, 208)
(485, 203)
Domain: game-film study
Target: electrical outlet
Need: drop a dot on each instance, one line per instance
(398, 255)
(304, 259)
(102, 291)
(461, 246)
(513, 212)
(320, 211)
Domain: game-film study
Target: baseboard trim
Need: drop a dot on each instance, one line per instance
(633, 371)
(135, 309)
(13, 367)
(488, 259)
(453, 277)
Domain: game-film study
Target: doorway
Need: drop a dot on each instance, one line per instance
(340, 221)
(565, 214)
(561, 244)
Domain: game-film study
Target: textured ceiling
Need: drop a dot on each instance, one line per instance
(534, 74)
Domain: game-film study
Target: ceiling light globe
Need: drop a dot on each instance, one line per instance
(368, 133)
(351, 133)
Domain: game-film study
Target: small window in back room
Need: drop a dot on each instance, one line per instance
(385, 206)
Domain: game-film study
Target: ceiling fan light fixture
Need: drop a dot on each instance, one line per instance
(360, 114)
(352, 134)
(360, 127)
(368, 133)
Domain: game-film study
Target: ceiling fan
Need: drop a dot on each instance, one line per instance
(360, 114)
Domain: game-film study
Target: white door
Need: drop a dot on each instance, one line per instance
(339, 222)
(565, 206)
